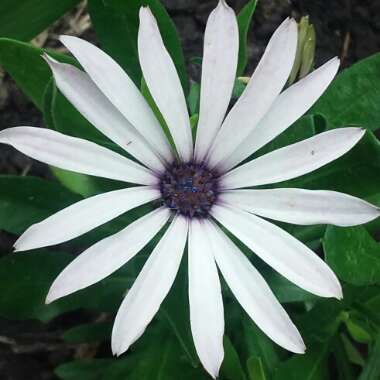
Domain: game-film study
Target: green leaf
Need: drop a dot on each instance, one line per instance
(310, 366)
(284, 290)
(155, 356)
(25, 19)
(175, 310)
(231, 368)
(371, 370)
(25, 280)
(353, 97)
(259, 345)
(352, 352)
(120, 18)
(194, 98)
(28, 200)
(256, 369)
(328, 313)
(89, 333)
(244, 19)
(353, 255)
(359, 329)
(88, 369)
(85, 185)
(24, 64)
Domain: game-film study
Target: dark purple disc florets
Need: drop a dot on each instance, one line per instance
(189, 189)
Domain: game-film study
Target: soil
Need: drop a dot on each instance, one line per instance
(345, 28)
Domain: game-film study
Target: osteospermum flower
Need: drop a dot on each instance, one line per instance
(199, 187)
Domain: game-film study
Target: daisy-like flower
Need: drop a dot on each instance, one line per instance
(199, 186)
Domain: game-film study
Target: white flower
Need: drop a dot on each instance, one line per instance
(200, 188)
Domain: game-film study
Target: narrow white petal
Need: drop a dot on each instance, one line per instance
(83, 216)
(220, 57)
(281, 251)
(86, 97)
(264, 86)
(294, 160)
(108, 255)
(286, 109)
(206, 304)
(74, 154)
(253, 293)
(121, 91)
(150, 288)
(163, 82)
(304, 207)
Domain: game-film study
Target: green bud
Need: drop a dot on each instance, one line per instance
(304, 60)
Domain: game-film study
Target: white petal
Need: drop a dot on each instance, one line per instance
(220, 57)
(206, 303)
(253, 293)
(86, 97)
(163, 82)
(286, 109)
(150, 288)
(74, 154)
(108, 255)
(305, 207)
(84, 216)
(264, 86)
(281, 251)
(294, 160)
(121, 91)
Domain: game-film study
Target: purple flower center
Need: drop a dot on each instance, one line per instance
(190, 189)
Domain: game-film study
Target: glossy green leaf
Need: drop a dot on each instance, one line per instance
(328, 313)
(120, 18)
(25, 279)
(310, 366)
(371, 370)
(284, 290)
(194, 98)
(244, 21)
(28, 200)
(256, 369)
(257, 344)
(89, 333)
(175, 310)
(231, 367)
(86, 369)
(352, 352)
(25, 19)
(24, 64)
(353, 255)
(155, 356)
(353, 97)
(359, 329)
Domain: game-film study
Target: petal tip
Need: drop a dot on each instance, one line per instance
(338, 292)
(49, 298)
(49, 60)
(145, 12)
(223, 3)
